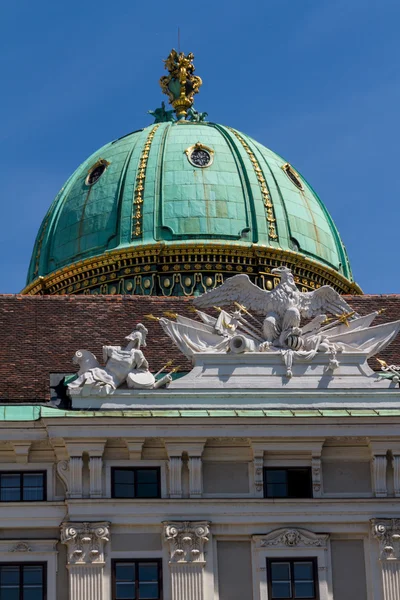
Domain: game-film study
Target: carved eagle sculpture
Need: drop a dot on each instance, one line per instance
(283, 307)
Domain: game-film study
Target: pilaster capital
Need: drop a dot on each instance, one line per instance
(85, 542)
(186, 540)
(387, 532)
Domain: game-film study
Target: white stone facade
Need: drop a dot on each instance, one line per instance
(211, 529)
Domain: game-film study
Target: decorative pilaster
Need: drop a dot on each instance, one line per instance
(258, 465)
(70, 472)
(387, 532)
(379, 466)
(316, 476)
(195, 477)
(175, 476)
(86, 560)
(96, 476)
(186, 545)
(396, 475)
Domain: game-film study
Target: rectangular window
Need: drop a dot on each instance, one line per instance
(25, 581)
(137, 580)
(136, 482)
(29, 486)
(289, 579)
(289, 482)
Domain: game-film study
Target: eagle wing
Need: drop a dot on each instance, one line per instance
(239, 288)
(321, 300)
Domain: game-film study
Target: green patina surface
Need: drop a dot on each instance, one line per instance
(35, 412)
(182, 202)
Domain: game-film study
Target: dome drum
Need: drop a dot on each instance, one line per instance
(184, 269)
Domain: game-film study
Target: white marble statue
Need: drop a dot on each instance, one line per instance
(279, 330)
(282, 308)
(122, 366)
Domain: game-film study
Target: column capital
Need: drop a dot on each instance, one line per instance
(85, 542)
(186, 540)
(387, 532)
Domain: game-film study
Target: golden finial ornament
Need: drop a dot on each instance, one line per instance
(181, 84)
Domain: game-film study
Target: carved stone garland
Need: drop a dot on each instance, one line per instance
(387, 532)
(186, 542)
(86, 560)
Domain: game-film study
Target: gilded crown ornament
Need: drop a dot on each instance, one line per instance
(181, 84)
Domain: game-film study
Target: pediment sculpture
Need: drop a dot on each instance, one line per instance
(283, 321)
(122, 366)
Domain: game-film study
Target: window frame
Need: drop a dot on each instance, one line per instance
(114, 561)
(21, 564)
(288, 468)
(21, 474)
(291, 561)
(135, 469)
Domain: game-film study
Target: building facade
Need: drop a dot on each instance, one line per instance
(259, 472)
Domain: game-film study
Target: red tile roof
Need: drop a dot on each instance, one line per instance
(40, 334)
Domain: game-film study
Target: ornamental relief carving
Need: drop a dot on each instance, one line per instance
(293, 538)
(387, 532)
(186, 540)
(85, 542)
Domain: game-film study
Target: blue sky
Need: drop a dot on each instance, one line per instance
(317, 81)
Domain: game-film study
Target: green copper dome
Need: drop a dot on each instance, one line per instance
(178, 206)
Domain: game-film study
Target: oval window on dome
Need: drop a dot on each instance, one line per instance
(293, 176)
(200, 155)
(96, 172)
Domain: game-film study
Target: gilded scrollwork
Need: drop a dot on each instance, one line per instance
(269, 207)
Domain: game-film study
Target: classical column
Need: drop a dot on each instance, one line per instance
(85, 543)
(387, 531)
(186, 541)
(379, 465)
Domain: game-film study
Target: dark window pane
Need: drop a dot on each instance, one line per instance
(304, 589)
(33, 486)
(124, 476)
(145, 490)
(147, 476)
(277, 490)
(32, 574)
(9, 575)
(10, 484)
(9, 594)
(125, 591)
(33, 593)
(276, 475)
(148, 572)
(281, 589)
(125, 571)
(124, 491)
(148, 591)
(280, 571)
(299, 481)
(303, 571)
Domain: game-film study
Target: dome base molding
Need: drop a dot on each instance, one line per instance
(184, 270)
